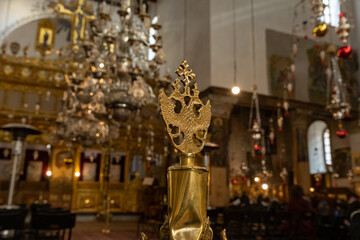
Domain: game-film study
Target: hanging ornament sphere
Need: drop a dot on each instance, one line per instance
(344, 52)
(320, 30)
(341, 133)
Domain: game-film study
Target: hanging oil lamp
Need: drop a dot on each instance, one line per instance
(338, 105)
(341, 133)
(256, 135)
(244, 168)
(343, 33)
(288, 88)
(284, 174)
(256, 132)
(271, 131)
(317, 8)
(280, 118)
(350, 174)
(318, 178)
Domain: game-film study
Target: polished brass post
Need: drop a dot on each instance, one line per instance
(187, 120)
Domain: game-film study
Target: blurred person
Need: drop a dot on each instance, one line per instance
(323, 210)
(353, 203)
(265, 203)
(235, 201)
(301, 212)
(355, 222)
(245, 201)
(259, 200)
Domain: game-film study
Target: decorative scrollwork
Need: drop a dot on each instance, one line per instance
(187, 119)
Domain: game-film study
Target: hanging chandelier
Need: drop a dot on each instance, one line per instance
(338, 104)
(256, 132)
(343, 33)
(321, 28)
(110, 74)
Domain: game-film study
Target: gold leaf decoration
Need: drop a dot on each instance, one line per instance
(207, 232)
(143, 236)
(223, 234)
(187, 119)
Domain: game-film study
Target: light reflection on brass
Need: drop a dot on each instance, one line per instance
(187, 120)
(187, 194)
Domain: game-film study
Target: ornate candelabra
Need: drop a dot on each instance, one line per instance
(112, 77)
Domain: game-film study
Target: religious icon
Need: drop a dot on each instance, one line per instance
(35, 161)
(90, 165)
(35, 155)
(6, 153)
(117, 166)
(78, 18)
(45, 42)
(34, 171)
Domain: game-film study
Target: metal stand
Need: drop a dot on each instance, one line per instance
(19, 132)
(208, 147)
(106, 194)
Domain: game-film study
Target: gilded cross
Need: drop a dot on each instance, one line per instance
(188, 74)
(78, 19)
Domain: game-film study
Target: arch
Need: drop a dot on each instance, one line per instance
(315, 134)
(21, 22)
(62, 35)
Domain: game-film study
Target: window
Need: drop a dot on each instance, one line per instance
(331, 13)
(318, 136)
(152, 41)
(327, 149)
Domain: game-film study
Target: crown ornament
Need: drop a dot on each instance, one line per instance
(187, 119)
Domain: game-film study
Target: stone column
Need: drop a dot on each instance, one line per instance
(219, 129)
(221, 108)
(300, 161)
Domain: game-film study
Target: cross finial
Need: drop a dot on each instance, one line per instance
(78, 17)
(188, 74)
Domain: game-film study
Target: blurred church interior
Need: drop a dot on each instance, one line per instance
(84, 151)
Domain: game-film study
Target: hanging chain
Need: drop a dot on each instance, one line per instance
(254, 99)
(234, 39)
(185, 23)
(253, 39)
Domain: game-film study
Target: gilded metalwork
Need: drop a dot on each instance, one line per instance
(188, 211)
(343, 30)
(143, 236)
(164, 229)
(186, 117)
(223, 235)
(320, 29)
(24, 78)
(78, 18)
(45, 41)
(187, 120)
(318, 7)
